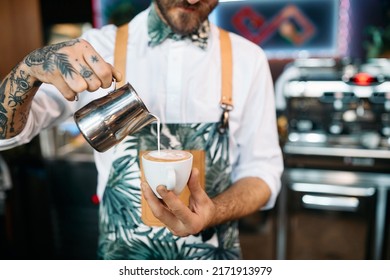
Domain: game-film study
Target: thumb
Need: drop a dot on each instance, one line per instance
(194, 186)
(116, 74)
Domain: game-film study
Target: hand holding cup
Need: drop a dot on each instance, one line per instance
(171, 168)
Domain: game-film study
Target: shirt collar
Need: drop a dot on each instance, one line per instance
(158, 31)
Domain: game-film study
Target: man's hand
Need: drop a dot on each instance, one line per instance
(72, 66)
(178, 218)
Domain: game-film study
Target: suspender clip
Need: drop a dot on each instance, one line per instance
(224, 123)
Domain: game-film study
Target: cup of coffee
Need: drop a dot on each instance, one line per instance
(171, 168)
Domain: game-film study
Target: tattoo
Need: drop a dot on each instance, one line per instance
(19, 86)
(94, 59)
(18, 95)
(2, 95)
(12, 128)
(85, 72)
(3, 112)
(49, 58)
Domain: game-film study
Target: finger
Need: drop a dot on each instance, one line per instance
(60, 82)
(64, 88)
(198, 197)
(117, 75)
(76, 83)
(148, 193)
(194, 184)
(93, 82)
(69, 72)
(175, 205)
(157, 206)
(103, 70)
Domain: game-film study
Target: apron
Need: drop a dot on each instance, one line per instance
(127, 229)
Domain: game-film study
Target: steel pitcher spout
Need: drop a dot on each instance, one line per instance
(106, 121)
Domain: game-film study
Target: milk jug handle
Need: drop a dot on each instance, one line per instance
(114, 82)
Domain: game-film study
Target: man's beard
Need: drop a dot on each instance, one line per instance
(182, 22)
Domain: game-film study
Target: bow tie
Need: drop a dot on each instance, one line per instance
(158, 31)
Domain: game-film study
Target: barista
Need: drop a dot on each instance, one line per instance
(173, 60)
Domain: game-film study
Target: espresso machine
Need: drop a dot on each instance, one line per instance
(335, 109)
(336, 146)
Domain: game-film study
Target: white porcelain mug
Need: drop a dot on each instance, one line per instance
(171, 168)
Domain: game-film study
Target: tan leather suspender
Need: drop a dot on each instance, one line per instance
(226, 79)
(120, 52)
(227, 69)
(120, 57)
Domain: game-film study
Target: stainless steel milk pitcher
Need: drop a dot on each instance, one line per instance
(106, 121)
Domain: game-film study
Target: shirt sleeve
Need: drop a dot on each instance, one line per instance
(48, 108)
(257, 142)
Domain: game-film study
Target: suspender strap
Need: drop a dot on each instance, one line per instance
(120, 52)
(227, 70)
(120, 55)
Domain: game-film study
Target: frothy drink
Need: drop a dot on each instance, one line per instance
(167, 155)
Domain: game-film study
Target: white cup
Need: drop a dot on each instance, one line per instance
(171, 168)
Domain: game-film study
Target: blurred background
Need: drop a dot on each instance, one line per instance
(330, 64)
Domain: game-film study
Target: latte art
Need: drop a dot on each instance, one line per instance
(167, 155)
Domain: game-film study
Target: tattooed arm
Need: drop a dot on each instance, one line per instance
(72, 67)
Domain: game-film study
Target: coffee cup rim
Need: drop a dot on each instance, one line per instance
(167, 161)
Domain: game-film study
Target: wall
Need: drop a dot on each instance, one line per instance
(20, 31)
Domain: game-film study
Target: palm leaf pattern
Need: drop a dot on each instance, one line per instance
(62, 62)
(124, 236)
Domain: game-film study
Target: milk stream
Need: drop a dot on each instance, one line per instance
(158, 133)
